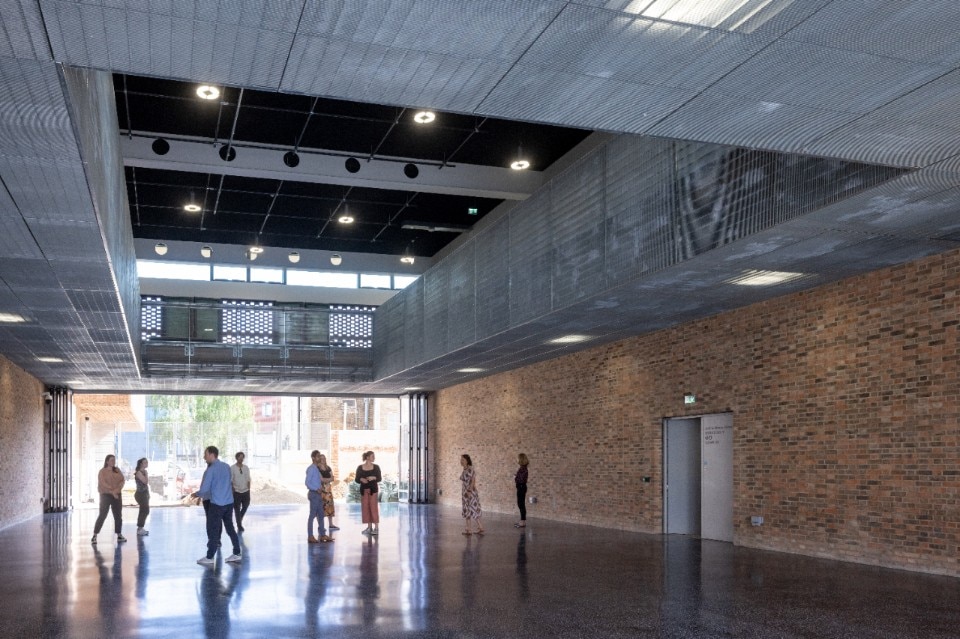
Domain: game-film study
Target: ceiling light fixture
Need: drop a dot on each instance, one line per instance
(471, 370)
(345, 219)
(191, 208)
(336, 259)
(206, 251)
(764, 278)
(352, 165)
(408, 259)
(227, 153)
(160, 248)
(294, 257)
(410, 170)
(49, 360)
(208, 92)
(11, 318)
(424, 117)
(570, 339)
(291, 159)
(519, 165)
(254, 252)
(75, 382)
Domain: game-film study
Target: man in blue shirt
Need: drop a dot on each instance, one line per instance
(314, 485)
(217, 487)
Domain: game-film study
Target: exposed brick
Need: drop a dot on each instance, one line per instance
(846, 402)
(21, 445)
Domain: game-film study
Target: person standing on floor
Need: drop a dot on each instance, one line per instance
(470, 496)
(521, 479)
(217, 488)
(109, 484)
(314, 484)
(326, 477)
(369, 477)
(142, 495)
(240, 479)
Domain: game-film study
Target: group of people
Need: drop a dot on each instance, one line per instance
(470, 496)
(225, 494)
(229, 493)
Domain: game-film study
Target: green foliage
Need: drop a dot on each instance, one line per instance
(198, 421)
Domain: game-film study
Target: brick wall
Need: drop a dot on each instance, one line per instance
(21, 445)
(845, 404)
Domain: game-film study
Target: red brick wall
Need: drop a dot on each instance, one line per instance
(845, 403)
(21, 445)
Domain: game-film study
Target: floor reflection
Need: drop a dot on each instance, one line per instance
(421, 577)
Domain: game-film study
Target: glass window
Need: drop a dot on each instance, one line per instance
(229, 273)
(268, 275)
(403, 281)
(321, 278)
(173, 270)
(368, 280)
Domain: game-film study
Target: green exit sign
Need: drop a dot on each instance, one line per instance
(689, 398)
(472, 211)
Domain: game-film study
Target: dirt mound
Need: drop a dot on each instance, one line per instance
(264, 490)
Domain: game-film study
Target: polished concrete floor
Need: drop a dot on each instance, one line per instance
(422, 578)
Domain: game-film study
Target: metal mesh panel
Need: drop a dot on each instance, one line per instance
(461, 302)
(577, 207)
(240, 323)
(492, 279)
(436, 286)
(531, 258)
(414, 328)
(352, 327)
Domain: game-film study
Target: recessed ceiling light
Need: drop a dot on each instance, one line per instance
(345, 219)
(75, 382)
(424, 117)
(191, 208)
(294, 257)
(160, 248)
(208, 92)
(206, 251)
(11, 318)
(49, 360)
(570, 339)
(519, 165)
(335, 259)
(471, 370)
(408, 259)
(764, 278)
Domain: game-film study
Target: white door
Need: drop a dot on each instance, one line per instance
(681, 481)
(716, 477)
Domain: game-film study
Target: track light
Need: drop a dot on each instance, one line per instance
(206, 251)
(160, 248)
(291, 159)
(335, 259)
(160, 146)
(411, 170)
(294, 257)
(208, 92)
(352, 165)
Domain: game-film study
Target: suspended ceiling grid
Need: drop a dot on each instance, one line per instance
(868, 81)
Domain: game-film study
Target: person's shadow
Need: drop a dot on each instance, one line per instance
(522, 566)
(320, 563)
(369, 586)
(215, 595)
(143, 568)
(111, 588)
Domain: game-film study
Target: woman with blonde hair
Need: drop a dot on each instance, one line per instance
(326, 491)
(470, 496)
(521, 480)
(109, 484)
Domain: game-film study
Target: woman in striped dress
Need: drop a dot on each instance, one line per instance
(471, 498)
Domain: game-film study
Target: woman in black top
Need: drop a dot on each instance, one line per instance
(521, 480)
(142, 495)
(368, 476)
